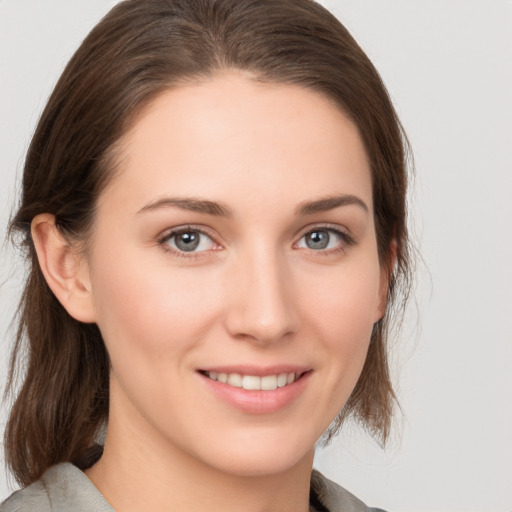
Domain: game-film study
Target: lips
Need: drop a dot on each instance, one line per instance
(256, 390)
(254, 382)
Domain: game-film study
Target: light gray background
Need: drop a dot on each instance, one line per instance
(447, 64)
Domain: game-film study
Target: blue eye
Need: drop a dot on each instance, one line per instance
(189, 240)
(322, 239)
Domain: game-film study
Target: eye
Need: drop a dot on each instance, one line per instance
(322, 239)
(188, 240)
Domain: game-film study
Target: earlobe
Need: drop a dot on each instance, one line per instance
(64, 269)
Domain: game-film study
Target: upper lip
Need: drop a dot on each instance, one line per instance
(258, 371)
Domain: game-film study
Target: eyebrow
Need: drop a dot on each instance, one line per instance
(192, 204)
(222, 210)
(329, 203)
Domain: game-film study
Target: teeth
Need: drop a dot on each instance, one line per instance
(253, 382)
(235, 379)
(269, 382)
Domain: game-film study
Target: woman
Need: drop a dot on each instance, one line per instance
(214, 211)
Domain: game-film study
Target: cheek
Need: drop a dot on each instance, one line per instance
(341, 312)
(345, 303)
(154, 310)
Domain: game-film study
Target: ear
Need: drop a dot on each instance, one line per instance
(64, 269)
(386, 272)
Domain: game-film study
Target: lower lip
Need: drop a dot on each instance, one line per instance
(255, 401)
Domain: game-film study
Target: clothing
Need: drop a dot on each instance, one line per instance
(65, 488)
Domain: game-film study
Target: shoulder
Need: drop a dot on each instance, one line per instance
(62, 488)
(335, 498)
(33, 497)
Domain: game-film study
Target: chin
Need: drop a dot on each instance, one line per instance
(261, 455)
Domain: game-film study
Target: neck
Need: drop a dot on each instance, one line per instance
(141, 472)
(132, 482)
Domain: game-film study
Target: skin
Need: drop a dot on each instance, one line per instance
(253, 293)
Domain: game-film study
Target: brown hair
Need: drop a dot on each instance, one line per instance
(141, 48)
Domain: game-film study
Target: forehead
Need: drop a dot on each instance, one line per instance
(232, 137)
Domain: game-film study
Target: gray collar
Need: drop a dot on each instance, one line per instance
(64, 487)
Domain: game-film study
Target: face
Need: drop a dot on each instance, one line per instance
(234, 273)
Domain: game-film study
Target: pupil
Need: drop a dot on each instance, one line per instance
(317, 240)
(187, 241)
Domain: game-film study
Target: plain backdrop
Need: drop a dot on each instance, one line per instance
(448, 67)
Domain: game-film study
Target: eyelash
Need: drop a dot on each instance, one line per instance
(163, 241)
(346, 239)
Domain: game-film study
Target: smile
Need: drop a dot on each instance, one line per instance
(254, 382)
(257, 390)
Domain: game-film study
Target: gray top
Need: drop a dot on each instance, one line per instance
(65, 488)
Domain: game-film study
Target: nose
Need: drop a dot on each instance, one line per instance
(262, 306)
